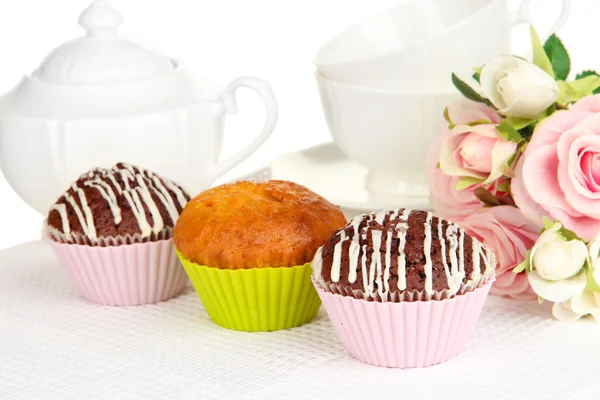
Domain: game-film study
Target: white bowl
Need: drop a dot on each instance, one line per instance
(388, 132)
(418, 44)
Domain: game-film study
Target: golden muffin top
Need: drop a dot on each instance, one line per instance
(255, 225)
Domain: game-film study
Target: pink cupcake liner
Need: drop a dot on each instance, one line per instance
(405, 334)
(126, 275)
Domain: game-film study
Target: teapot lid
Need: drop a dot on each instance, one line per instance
(102, 75)
(101, 56)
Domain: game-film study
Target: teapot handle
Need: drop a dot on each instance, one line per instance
(264, 90)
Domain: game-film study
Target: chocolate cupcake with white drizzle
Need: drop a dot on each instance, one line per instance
(112, 231)
(119, 205)
(402, 255)
(403, 288)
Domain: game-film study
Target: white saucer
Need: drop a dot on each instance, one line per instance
(326, 171)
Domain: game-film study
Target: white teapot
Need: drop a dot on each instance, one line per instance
(101, 99)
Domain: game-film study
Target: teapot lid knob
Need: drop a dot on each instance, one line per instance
(100, 19)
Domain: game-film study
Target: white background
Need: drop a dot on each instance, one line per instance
(223, 39)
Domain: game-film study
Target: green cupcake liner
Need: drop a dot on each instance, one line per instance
(255, 299)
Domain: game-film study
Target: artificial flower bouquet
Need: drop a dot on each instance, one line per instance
(517, 165)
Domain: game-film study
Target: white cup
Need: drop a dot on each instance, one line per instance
(417, 45)
(387, 131)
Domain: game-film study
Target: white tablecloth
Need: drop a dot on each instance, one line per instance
(54, 345)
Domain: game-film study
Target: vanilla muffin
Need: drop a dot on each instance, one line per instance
(255, 225)
(247, 248)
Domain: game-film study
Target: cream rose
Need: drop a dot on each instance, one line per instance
(588, 301)
(557, 266)
(517, 88)
(584, 303)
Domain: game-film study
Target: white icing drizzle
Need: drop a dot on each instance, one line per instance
(317, 263)
(369, 229)
(354, 253)
(109, 195)
(376, 271)
(476, 252)
(363, 260)
(428, 267)
(401, 228)
(62, 210)
(489, 259)
(387, 263)
(461, 251)
(136, 188)
(456, 273)
(443, 242)
(337, 256)
(402, 261)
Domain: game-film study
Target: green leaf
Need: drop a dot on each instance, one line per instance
(508, 132)
(511, 162)
(540, 299)
(503, 187)
(559, 57)
(527, 132)
(438, 165)
(478, 122)
(566, 94)
(447, 118)
(585, 73)
(586, 85)
(467, 90)
(520, 123)
(466, 181)
(524, 266)
(548, 223)
(591, 282)
(548, 112)
(539, 55)
(568, 235)
(573, 91)
(521, 267)
(477, 74)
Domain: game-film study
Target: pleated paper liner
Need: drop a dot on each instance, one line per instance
(123, 275)
(404, 334)
(255, 299)
(407, 295)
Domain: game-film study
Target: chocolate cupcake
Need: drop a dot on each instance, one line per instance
(402, 255)
(120, 205)
(403, 288)
(112, 231)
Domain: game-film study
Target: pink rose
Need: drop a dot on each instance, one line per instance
(559, 173)
(443, 197)
(476, 152)
(506, 232)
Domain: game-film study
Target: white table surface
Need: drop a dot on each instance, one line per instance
(54, 345)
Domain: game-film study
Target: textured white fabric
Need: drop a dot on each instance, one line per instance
(54, 345)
